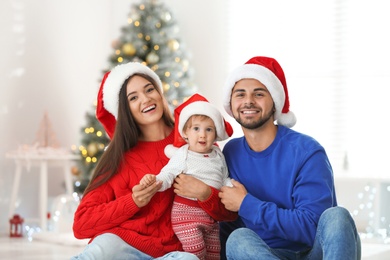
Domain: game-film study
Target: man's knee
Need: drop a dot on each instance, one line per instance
(336, 215)
(337, 218)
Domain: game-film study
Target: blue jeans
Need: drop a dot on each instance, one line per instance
(110, 246)
(336, 238)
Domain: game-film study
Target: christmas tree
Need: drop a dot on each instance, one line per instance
(93, 142)
(151, 37)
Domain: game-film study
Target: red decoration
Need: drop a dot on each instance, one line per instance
(16, 226)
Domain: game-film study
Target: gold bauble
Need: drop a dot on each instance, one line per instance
(92, 149)
(173, 44)
(128, 49)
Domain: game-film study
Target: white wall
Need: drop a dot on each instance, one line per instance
(52, 54)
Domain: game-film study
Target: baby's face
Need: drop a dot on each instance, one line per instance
(200, 134)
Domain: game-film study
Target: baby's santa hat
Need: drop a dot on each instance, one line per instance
(197, 105)
(108, 96)
(270, 73)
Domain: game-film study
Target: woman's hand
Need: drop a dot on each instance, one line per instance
(232, 197)
(191, 187)
(143, 194)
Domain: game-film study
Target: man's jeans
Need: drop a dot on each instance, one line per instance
(110, 246)
(336, 238)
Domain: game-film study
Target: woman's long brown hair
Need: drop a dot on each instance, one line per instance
(125, 137)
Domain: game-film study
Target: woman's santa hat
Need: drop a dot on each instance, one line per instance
(270, 74)
(197, 105)
(108, 96)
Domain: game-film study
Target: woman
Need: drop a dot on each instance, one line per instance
(126, 220)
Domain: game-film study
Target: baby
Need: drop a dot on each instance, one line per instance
(200, 124)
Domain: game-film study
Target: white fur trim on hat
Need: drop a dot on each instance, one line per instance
(207, 109)
(268, 79)
(117, 77)
(170, 150)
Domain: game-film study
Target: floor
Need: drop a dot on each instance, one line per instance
(23, 249)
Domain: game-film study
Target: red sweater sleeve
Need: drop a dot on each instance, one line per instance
(214, 207)
(99, 211)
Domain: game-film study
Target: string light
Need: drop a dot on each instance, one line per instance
(378, 226)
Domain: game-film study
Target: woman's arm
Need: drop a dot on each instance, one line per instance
(207, 197)
(101, 210)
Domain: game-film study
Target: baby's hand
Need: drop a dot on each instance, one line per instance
(148, 180)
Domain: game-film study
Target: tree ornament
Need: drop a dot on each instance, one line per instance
(75, 171)
(185, 64)
(92, 149)
(173, 44)
(152, 58)
(166, 16)
(128, 49)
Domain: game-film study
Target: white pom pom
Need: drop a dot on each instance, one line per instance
(170, 150)
(287, 120)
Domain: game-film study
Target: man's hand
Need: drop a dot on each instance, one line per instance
(191, 187)
(232, 197)
(142, 194)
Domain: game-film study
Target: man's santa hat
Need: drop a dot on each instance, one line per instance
(270, 74)
(108, 96)
(197, 105)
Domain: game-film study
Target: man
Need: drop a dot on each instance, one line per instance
(283, 188)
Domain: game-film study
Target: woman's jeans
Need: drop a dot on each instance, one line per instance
(110, 246)
(336, 238)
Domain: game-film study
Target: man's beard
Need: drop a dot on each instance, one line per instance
(255, 124)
